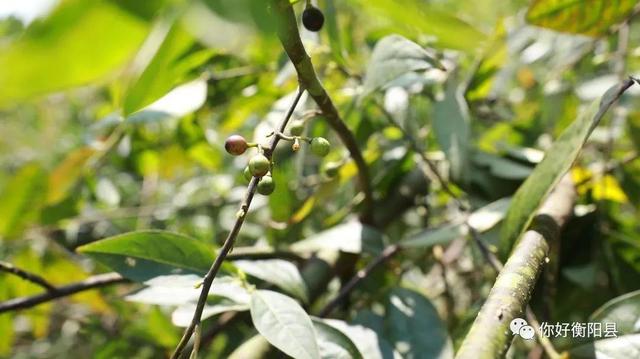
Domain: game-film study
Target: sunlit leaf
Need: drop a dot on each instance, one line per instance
(334, 344)
(283, 274)
(548, 173)
(623, 310)
(143, 255)
(588, 17)
(351, 237)
(79, 43)
(21, 198)
(365, 339)
(66, 174)
(181, 101)
(284, 324)
(626, 346)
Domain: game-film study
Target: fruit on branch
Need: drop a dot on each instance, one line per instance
(296, 128)
(235, 145)
(320, 146)
(247, 174)
(312, 18)
(266, 186)
(259, 165)
(331, 169)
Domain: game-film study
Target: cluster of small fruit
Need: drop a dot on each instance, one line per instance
(260, 166)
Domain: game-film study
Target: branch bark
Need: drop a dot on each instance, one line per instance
(96, 281)
(287, 28)
(490, 336)
(28, 276)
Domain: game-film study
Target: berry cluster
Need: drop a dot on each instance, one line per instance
(260, 166)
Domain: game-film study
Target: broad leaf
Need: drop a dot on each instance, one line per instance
(548, 173)
(144, 255)
(179, 102)
(79, 43)
(365, 339)
(66, 174)
(394, 56)
(181, 289)
(351, 237)
(623, 310)
(623, 347)
(334, 344)
(283, 274)
(414, 326)
(283, 322)
(183, 315)
(451, 124)
(432, 237)
(588, 17)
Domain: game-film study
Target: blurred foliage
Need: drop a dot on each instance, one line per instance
(113, 115)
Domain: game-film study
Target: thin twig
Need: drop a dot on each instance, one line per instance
(96, 281)
(229, 242)
(362, 274)
(287, 28)
(28, 276)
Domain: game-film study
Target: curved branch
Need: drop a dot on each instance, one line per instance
(96, 281)
(28, 276)
(489, 336)
(290, 39)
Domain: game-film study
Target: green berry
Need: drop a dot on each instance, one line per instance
(312, 18)
(247, 174)
(296, 128)
(235, 145)
(266, 186)
(320, 146)
(331, 169)
(259, 165)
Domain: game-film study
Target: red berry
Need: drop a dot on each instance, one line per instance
(235, 145)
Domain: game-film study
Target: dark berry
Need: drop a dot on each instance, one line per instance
(312, 18)
(235, 145)
(320, 146)
(259, 165)
(266, 186)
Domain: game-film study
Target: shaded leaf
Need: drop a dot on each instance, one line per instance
(588, 17)
(394, 56)
(144, 255)
(334, 344)
(431, 237)
(21, 198)
(414, 326)
(284, 324)
(548, 173)
(623, 310)
(279, 272)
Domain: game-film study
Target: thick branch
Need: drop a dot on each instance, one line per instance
(489, 336)
(229, 242)
(290, 38)
(96, 281)
(31, 277)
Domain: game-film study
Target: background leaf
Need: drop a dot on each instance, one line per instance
(283, 274)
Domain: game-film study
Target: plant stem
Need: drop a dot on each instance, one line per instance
(96, 281)
(229, 242)
(287, 28)
(28, 276)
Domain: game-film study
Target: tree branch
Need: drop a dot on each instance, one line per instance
(489, 336)
(96, 281)
(290, 39)
(229, 242)
(31, 277)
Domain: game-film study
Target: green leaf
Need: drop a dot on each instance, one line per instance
(394, 56)
(334, 344)
(183, 315)
(167, 63)
(451, 124)
(283, 322)
(550, 170)
(365, 339)
(281, 273)
(179, 102)
(144, 255)
(181, 289)
(588, 17)
(81, 42)
(21, 198)
(351, 237)
(414, 326)
(623, 310)
(417, 16)
(431, 237)
(624, 347)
